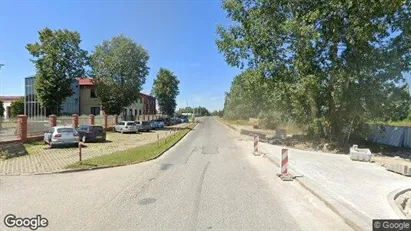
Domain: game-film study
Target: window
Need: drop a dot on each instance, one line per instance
(139, 111)
(66, 130)
(131, 111)
(93, 93)
(95, 110)
(135, 111)
(141, 100)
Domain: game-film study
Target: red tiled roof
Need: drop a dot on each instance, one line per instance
(85, 81)
(9, 98)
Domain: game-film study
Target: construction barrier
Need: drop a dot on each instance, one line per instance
(256, 140)
(284, 161)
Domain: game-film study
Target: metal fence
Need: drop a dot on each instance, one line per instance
(84, 119)
(37, 125)
(110, 121)
(64, 121)
(8, 129)
(99, 120)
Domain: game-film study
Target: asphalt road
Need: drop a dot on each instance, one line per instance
(206, 182)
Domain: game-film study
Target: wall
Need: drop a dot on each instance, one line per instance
(86, 102)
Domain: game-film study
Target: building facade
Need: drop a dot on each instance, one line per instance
(33, 108)
(90, 103)
(85, 101)
(7, 100)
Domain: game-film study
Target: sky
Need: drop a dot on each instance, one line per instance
(178, 34)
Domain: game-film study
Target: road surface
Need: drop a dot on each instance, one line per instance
(205, 182)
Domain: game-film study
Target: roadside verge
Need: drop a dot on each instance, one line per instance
(130, 156)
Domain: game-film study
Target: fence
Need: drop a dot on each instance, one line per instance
(36, 126)
(111, 121)
(8, 129)
(390, 135)
(99, 120)
(83, 119)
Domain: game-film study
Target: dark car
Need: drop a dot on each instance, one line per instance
(91, 133)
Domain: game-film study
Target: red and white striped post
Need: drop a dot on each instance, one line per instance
(256, 139)
(284, 161)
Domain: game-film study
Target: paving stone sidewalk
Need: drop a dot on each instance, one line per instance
(42, 159)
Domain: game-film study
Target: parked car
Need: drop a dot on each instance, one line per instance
(154, 124)
(91, 133)
(61, 135)
(161, 124)
(167, 122)
(126, 126)
(143, 125)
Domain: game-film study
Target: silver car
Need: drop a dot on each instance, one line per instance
(61, 135)
(144, 125)
(126, 126)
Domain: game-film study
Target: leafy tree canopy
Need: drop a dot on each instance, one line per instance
(165, 89)
(17, 107)
(324, 64)
(119, 67)
(58, 59)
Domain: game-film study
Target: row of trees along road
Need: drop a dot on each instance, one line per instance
(199, 111)
(118, 67)
(325, 65)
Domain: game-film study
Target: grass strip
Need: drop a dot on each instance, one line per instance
(133, 155)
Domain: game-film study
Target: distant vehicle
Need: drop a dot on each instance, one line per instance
(143, 125)
(126, 126)
(91, 133)
(61, 135)
(167, 122)
(161, 124)
(154, 124)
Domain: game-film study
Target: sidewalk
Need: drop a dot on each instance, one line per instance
(359, 188)
(357, 191)
(42, 159)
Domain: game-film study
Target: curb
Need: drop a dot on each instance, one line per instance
(101, 167)
(355, 220)
(391, 199)
(224, 124)
(120, 165)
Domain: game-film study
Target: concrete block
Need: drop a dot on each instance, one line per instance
(399, 168)
(360, 154)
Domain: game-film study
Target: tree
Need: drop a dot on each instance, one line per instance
(58, 59)
(165, 89)
(17, 107)
(119, 67)
(1, 109)
(329, 64)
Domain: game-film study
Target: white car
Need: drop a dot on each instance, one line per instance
(126, 126)
(61, 135)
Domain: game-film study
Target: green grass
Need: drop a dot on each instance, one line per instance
(9, 124)
(238, 122)
(29, 146)
(133, 155)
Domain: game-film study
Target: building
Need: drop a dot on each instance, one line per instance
(7, 100)
(90, 104)
(85, 101)
(89, 101)
(33, 108)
